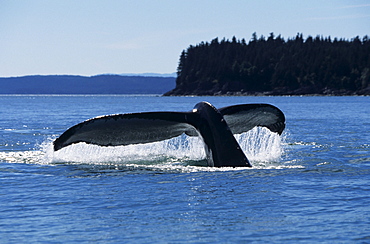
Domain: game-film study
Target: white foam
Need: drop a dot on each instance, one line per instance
(263, 148)
(183, 147)
(260, 144)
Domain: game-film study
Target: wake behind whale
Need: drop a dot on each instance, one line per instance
(214, 126)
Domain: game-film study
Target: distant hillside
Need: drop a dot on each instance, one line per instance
(100, 84)
(151, 74)
(275, 66)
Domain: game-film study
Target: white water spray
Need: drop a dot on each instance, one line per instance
(261, 146)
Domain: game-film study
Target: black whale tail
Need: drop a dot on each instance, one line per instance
(221, 148)
(215, 126)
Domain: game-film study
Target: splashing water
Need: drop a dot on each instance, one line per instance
(262, 147)
(260, 144)
(181, 148)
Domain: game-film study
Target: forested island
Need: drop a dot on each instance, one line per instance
(274, 66)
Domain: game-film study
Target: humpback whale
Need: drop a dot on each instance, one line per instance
(215, 127)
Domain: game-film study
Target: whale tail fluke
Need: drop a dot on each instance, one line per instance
(126, 129)
(215, 126)
(244, 117)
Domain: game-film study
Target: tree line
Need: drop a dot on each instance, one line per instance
(272, 65)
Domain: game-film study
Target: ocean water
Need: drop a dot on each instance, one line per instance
(310, 185)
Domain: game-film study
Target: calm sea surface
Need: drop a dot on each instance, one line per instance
(310, 185)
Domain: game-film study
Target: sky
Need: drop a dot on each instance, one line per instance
(89, 37)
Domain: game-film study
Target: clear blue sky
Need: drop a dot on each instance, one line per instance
(88, 37)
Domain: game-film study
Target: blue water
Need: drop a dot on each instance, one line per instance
(310, 185)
